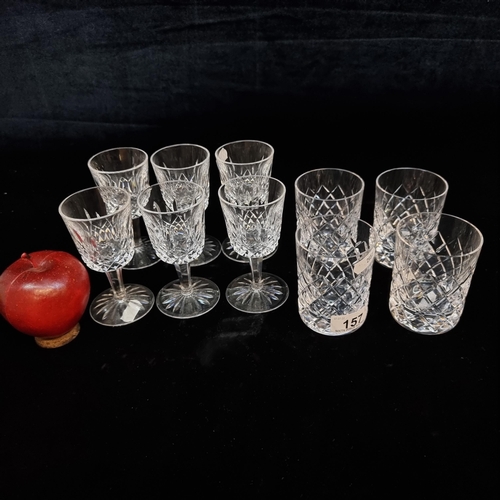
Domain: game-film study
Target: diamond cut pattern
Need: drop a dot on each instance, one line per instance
(328, 284)
(413, 196)
(101, 227)
(430, 279)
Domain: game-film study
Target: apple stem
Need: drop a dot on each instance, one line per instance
(116, 281)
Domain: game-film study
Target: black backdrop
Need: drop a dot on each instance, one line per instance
(250, 406)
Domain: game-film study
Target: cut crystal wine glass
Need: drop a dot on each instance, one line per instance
(127, 168)
(188, 162)
(253, 211)
(238, 159)
(100, 224)
(174, 214)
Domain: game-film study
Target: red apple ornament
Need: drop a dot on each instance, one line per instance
(45, 294)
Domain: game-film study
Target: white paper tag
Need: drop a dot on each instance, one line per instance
(131, 311)
(348, 322)
(363, 263)
(222, 155)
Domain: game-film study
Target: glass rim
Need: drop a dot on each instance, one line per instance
(354, 174)
(230, 204)
(141, 165)
(367, 224)
(95, 188)
(270, 155)
(445, 182)
(476, 249)
(163, 183)
(203, 148)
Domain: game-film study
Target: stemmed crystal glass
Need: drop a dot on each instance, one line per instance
(253, 211)
(238, 159)
(188, 162)
(99, 221)
(127, 168)
(174, 214)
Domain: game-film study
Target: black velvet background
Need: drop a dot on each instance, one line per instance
(251, 406)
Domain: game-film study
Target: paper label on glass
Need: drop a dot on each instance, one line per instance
(348, 322)
(363, 263)
(222, 155)
(131, 311)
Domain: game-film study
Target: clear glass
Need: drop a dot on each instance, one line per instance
(400, 192)
(174, 214)
(100, 224)
(127, 168)
(435, 258)
(329, 192)
(238, 159)
(334, 275)
(188, 162)
(253, 212)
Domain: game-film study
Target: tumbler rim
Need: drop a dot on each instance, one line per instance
(444, 193)
(171, 146)
(230, 204)
(141, 165)
(476, 249)
(331, 169)
(159, 184)
(95, 188)
(270, 155)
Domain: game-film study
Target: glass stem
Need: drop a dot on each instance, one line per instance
(256, 270)
(116, 281)
(184, 273)
(136, 225)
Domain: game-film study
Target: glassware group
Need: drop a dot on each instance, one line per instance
(432, 255)
(106, 221)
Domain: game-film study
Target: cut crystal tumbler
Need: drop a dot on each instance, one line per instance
(400, 192)
(329, 192)
(334, 275)
(435, 258)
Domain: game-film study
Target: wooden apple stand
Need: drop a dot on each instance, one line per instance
(53, 342)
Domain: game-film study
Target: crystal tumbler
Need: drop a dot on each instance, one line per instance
(334, 275)
(329, 192)
(400, 192)
(435, 258)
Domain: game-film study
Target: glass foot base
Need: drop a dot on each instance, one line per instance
(144, 256)
(109, 310)
(228, 251)
(211, 251)
(53, 342)
(269, 294)
(184, 303)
